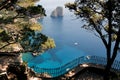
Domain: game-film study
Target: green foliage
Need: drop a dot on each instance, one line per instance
(96, 12)
(16, 25)
(102, 17)
(18, 34)
(32, 41)
(36, 10)
(48, 44)
(4, 36)
(36, 27)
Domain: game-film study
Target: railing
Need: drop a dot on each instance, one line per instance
(55, 72)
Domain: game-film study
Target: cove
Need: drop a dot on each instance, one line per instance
(71, 40)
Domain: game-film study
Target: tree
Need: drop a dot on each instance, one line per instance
(103, 19)
(20, 33)
(18, 27)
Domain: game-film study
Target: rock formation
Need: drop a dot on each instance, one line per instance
(58, 12)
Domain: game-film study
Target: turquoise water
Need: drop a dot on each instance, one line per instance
(27, 57)
(71, 40)
(54, 60)
(68, 31)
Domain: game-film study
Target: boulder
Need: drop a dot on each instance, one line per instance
(58, 12)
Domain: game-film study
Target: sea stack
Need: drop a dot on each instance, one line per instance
(58, 12)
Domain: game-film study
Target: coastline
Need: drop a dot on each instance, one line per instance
(12, 55)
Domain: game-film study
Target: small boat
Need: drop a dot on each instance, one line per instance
(75, 43)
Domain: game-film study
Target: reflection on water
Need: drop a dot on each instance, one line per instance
(57, 21)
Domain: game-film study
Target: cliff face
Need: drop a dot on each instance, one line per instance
(58, 12)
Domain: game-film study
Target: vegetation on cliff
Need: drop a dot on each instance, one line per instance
(20, 33)
(18, 27)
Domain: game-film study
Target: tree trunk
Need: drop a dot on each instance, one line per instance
(107, 70)
(111, 60)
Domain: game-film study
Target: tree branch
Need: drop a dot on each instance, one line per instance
(109, 30)
(9, 53)
(6, 45)
(100, 33)
(116, 47)
(4, 4)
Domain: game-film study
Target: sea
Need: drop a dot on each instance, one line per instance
(68, 30)
(72, 41)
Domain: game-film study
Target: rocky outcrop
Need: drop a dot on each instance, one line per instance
(58, 12)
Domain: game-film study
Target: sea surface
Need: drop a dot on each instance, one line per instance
(71, 40)
(68, 31)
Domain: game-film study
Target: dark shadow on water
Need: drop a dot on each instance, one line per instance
(57, 20)
(60, 17)
(53, 52)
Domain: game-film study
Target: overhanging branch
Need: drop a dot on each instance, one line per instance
(100, 33)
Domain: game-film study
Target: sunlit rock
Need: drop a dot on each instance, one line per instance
(58, 12)
(1, 16)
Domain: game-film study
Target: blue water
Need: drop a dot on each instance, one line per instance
(71, 40)
(55, 60)
(68, 31)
